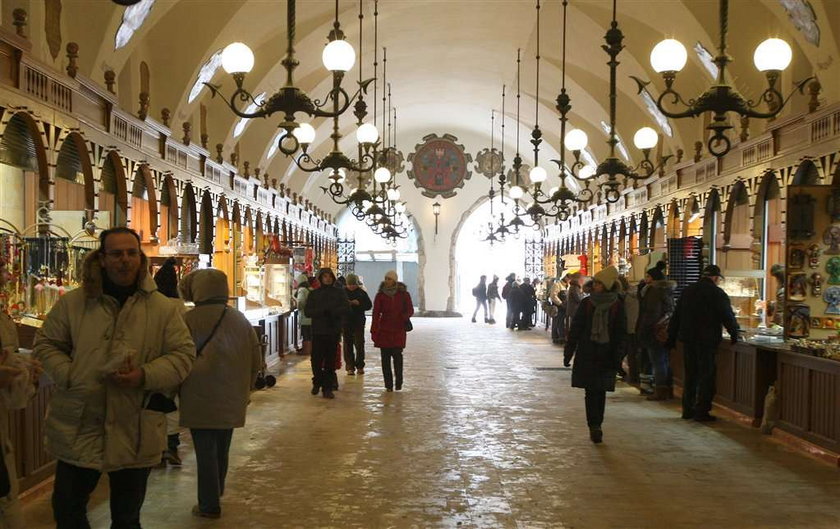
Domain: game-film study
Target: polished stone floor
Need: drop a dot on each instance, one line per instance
(486, 434)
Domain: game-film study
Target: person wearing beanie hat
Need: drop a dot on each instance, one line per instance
(510, 315)
(392, 310)
(595, 342)
(327, 306)
(354, 326)
(656, 306)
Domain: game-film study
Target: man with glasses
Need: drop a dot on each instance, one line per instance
(115, 347)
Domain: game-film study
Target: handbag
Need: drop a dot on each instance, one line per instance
(408, 325)
(163, 404)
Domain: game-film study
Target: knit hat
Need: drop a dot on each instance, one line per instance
(607, 277)
(352, 279)
(655, 274)
(391, 274)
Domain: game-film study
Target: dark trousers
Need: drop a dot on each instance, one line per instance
(324, 348)
(73, 486)
(558, 334)
(354, 338)
(211, 458)
(396, 354)
(510, 315)
(596, 402)
(700, 373)
(173, 441)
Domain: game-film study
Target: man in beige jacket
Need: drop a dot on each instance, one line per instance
(112, 348)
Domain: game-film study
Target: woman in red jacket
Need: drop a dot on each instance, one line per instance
(392, 309)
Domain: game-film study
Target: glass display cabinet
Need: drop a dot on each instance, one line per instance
(253, 281)
(277, 285)
(744, 288)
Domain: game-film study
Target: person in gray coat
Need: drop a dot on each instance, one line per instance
(215, 395)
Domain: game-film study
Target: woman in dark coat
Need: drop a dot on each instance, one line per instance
(392, 309)
(595, 339)
(655, 310)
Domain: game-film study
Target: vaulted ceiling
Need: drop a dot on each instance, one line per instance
(447, 61)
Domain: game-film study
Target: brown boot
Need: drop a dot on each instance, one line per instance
(660, 393)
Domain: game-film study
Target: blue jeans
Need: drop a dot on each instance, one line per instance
(660, 361)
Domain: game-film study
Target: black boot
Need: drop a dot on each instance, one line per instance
(596, 435)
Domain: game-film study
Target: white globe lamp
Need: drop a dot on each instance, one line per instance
(367, 134)
(645, 138)
(538, 175)
(516, 192)
(668, 56)
(576, 140)
(237, 58)
(382, 175)
(338, 56)
(772, 55)
(304, 133)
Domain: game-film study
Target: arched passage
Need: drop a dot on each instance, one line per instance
(74, 176)
(769, 237)
(737, 231)
(375, 255)
(24, 178)
(223, 255)
(658, 237)
(206, 224)
(692, 219)
(473, 256)
(144, 205)
(806, 174)
(188, 215)
(712, 234)
(168, 209)
(113, 196)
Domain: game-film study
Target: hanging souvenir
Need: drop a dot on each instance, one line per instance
(798, 321)
(816, 284)
(797, 258)
(831, 237)
(796, 290)
(833, 269)
(814, 256)
(832, 297)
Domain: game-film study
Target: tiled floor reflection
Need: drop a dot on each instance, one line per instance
(486, 435)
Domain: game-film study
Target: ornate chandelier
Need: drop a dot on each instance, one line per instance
(771, 57)
(338, 57)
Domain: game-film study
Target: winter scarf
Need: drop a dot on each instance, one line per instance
(601, 316)
(390, 292)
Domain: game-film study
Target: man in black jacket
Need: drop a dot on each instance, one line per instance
(354, 326)
(702, 311)
(327, 306)
(527, 306)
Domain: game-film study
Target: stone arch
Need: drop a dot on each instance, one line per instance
(711, 220)
(658, 237)
(74, 160)
(807, 174)
(738, 196)
(168, 209)
(835, 178)
(692, 217)
(189, 220)
(673, 224)
(113, 189)
(206, 224)
(143, 190)
(644, 234)
(23, 145)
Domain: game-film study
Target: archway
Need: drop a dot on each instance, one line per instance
(712, 234)
(223, 256)
(168, 209)
(644, 234)
(474, 256)
(74, 179)
(188, 223)
(769, 239)
(23, 171)
(144, 206)
(737, 231)
(693, 221)
(658, 243)
(206, 224)
(113, 196)
(806, 174)
(374, 255)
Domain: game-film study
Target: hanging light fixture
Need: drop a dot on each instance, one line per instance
(771, 57)
(338, 57)
(612, 172)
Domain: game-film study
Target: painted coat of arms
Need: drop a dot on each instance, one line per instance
(439, 165)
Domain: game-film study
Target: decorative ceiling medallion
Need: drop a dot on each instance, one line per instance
(489, 163)
(524, 176)
(393, 160)
(803, 18)
(439, 165)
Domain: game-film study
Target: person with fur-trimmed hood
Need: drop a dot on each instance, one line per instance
(392, 309)
(327, 306)
(115, 348)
